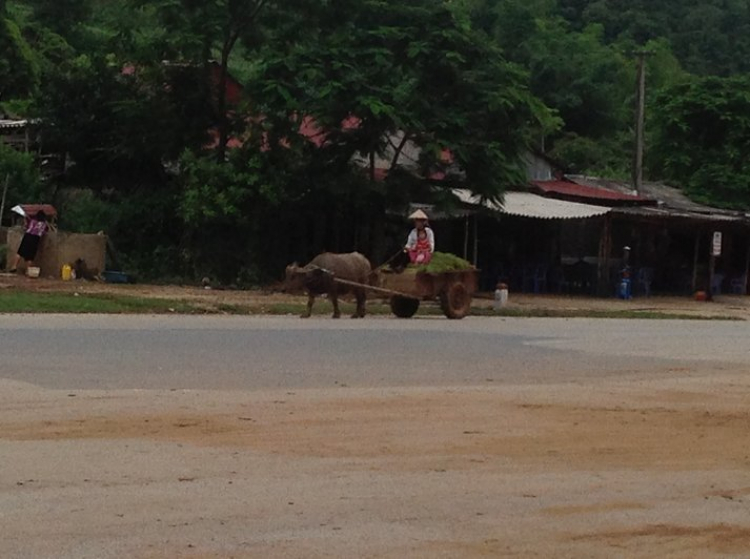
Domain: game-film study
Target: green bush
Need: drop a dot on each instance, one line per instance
(83, 211)
(22, 174)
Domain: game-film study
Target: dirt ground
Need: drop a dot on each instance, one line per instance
(725, 306)
(650, 469)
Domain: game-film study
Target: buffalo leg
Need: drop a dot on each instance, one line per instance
(310, 302)
(361, 299)
(334, 295)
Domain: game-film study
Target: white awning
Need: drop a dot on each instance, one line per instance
(8, 123)
(525, 204)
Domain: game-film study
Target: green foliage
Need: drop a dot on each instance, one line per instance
(708, 36)
(83, 211)
(588, 83)
(122, 127)
(702, 139)
(19, 71)
(126, 91)
(21, 172)
(585, 80)
(63, 17)
(416, 68)
(216, 192)
(605, 157)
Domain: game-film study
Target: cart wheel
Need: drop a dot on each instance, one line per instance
(455, 301)
(404, 307)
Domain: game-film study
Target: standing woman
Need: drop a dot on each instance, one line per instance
(36, 227)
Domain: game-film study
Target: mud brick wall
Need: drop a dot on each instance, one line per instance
(59, 248)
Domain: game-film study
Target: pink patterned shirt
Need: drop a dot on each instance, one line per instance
(36, 228)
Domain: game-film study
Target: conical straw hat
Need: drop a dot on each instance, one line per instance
(419, 214)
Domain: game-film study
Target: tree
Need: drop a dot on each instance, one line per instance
(22, 175)
(203, 28)
(66, 18)
(702, 140)
(707, 36)
(19, 71)
(121, 129)
(417, 72)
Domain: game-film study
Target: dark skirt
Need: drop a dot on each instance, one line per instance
(29, 247)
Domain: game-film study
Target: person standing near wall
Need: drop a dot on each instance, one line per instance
(36, 227)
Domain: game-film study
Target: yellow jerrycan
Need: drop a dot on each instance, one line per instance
(67, 272)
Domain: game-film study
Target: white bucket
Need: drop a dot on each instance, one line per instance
(33, 272)
(501, 299)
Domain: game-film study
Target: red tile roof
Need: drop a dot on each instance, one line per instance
(32, 209)
(577, 192)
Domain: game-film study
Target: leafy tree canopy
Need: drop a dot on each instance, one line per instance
(133, 93)
(417, 69)
(702, 139)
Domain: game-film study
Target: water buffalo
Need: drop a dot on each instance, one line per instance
(317, 278)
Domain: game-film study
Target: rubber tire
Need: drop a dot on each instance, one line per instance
(404, 307)
(455, 301)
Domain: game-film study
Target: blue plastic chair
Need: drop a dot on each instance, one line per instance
(643, 281)
(716, 283)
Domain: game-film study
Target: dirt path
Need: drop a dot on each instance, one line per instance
(724, 306)
(649, 469)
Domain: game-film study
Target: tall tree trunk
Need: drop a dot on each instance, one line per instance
(399, 149)
(242, 16)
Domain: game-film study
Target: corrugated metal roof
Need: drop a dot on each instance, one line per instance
(570, 189)
(667, 196)
(671, 213)
(525, 204)
(10, 123)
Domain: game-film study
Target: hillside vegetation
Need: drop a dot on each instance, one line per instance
(191, 179)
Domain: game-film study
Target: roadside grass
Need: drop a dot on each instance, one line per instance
(12, 301)
(592, 313)
(28, 302)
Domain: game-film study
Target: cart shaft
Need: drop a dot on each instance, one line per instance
(389, 292)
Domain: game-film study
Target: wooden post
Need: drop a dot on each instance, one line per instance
(605, 249)
(2, 202)
(466, 238)
(476, 239)
(640, 121)
(712, 264)
(696, 251)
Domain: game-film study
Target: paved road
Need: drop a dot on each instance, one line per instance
(651, 465)
(261, 352)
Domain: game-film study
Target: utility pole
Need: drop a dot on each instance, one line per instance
(640, 118)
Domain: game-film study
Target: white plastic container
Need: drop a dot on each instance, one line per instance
(501, 297)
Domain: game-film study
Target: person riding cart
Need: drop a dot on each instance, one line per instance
(420, 245)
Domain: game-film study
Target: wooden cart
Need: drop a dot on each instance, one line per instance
(405, 290)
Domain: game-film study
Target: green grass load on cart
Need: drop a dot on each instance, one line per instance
(441, 262)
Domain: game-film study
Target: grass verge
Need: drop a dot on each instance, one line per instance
(591, 313)
(27, 302)
(13, 301)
